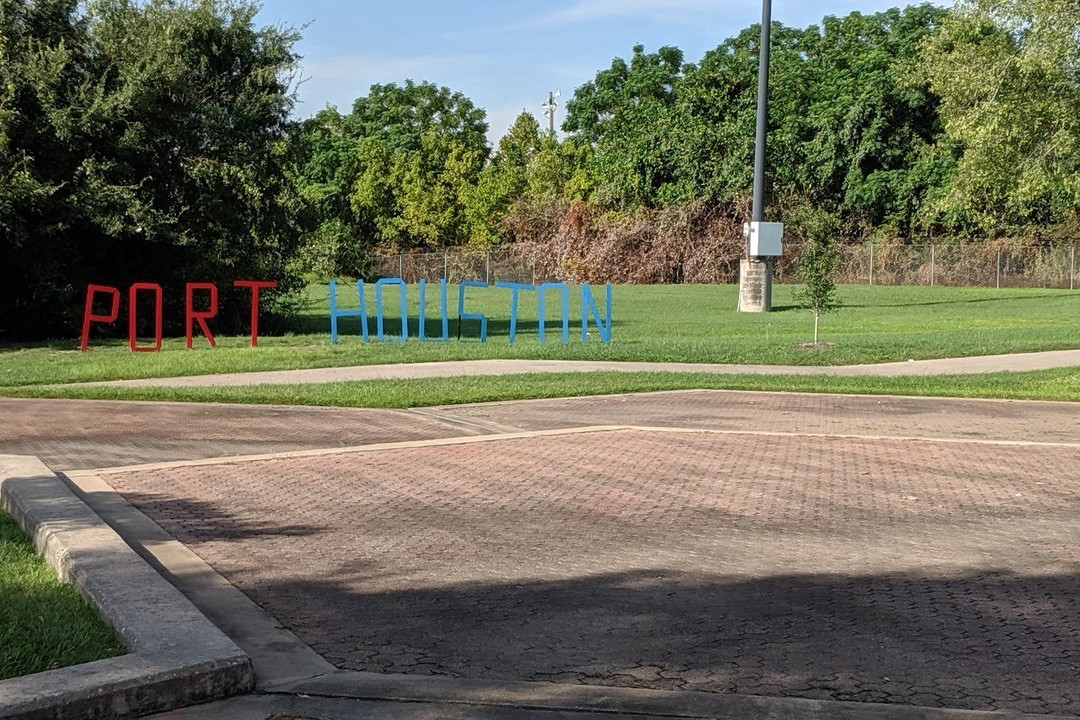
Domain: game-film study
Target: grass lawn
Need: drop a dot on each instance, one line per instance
(1058, 384)
(44, 623)
(687, 323)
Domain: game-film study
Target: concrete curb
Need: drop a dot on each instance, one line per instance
(496, 696)
(177, 657)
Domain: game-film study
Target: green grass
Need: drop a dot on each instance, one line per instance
(44, 623)
(1059, 384)
(687, 323)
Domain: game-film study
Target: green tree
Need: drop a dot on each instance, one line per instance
(323, 167)
(401, 115)
(818, 263)
(396, 171)
(518, 146)
(42, 65)
(142, 141)
(503, 181)
(561, 171)
(422, 147)
(718, 103)
(429, 190)
(649, 77)
(1008, 75)
(847, 130)
(868, 130)
(628, 114)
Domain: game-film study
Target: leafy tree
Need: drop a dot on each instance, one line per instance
(428, 190)
(718, 106)
(323, 167)
(627, 112)
(531, 174)
(142, 141)
(503, 181)
(400, 115)
(818, 264)
(868, 129)
(518, 146)
(561, 172)
(397, 171)
(422, 148)
(1008, 74)
(648, 78)
(847, 130)
(42, 64)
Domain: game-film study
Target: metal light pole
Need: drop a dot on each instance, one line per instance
(549, 109)
(764, 241)
(758, 212)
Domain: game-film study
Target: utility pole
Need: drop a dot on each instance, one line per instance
(764, 241)
(549, 107)
(764, 51)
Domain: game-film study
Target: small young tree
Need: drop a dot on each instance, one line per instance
(817, 267)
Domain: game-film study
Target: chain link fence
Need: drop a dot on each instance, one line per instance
(968, 264)
(989, 264)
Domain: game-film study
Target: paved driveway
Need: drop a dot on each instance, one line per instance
(878, 549)
(79, 434)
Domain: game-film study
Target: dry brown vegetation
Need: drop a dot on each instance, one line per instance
(687, 244)
(697, 243)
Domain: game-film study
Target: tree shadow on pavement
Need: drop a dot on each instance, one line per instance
(193, 521)
(990, 640)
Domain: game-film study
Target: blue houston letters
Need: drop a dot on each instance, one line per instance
(590, 312)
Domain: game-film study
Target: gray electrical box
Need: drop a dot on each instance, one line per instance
(766, 239)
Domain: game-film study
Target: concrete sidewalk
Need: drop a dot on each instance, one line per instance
(947, 366)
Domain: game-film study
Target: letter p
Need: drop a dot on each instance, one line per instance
(89, 316)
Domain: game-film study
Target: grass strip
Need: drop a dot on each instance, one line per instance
(1058, 384)
(44, 623)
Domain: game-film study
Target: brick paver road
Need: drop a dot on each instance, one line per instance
(860, 415)
(904, 550)
(76, 434)
(855, 561)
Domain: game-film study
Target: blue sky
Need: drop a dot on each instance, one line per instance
(506, 55)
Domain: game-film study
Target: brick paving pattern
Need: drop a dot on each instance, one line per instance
(867, 569)
(796, 413)
(75, 434)
(78, 434)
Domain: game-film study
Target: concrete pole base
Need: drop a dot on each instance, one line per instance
(755, 284)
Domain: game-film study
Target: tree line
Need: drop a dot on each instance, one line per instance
(154, 140)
